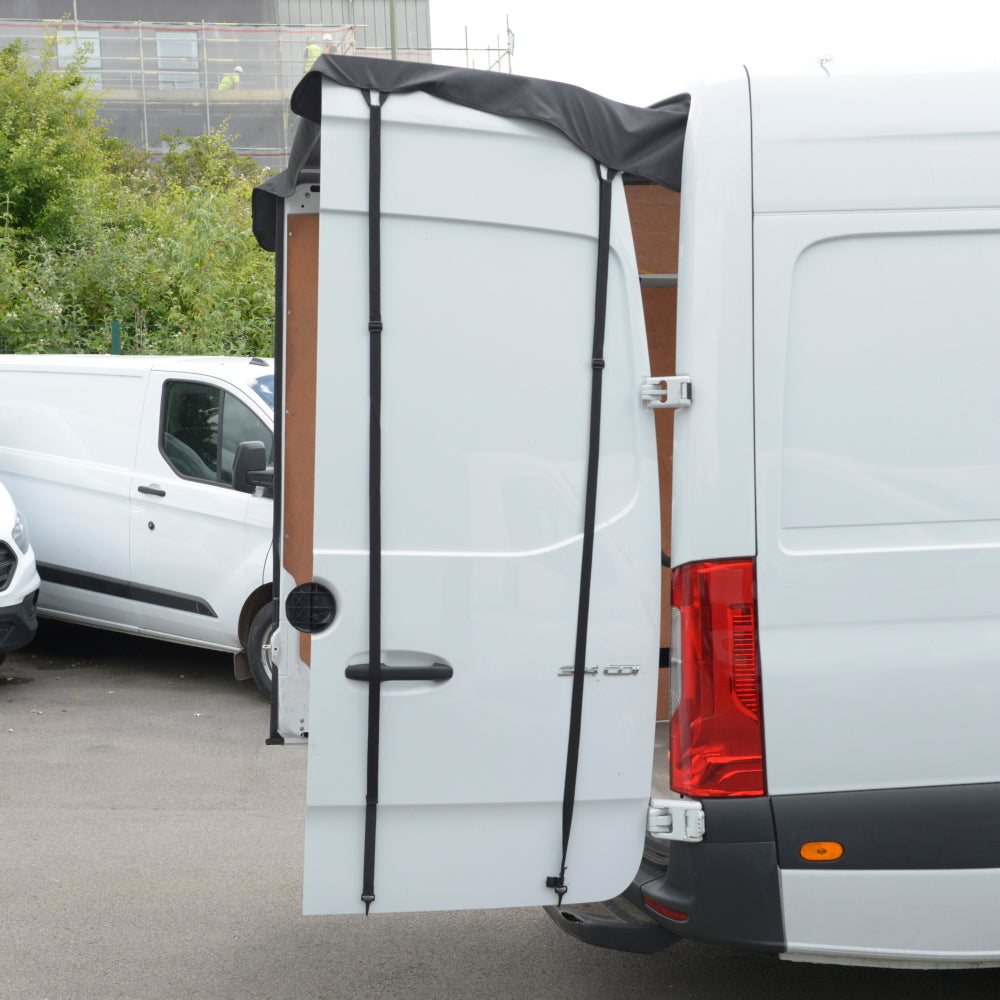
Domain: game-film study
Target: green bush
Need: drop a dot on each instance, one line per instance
(94, 230)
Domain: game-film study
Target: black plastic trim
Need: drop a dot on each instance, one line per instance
(935, 827)
(275, 739)
(8, 565)
(18, 624)
(123, 588)
(617, 924)
(728, 885)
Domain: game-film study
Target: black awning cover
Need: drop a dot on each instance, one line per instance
(647, 143)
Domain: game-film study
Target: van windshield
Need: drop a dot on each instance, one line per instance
(264, 387)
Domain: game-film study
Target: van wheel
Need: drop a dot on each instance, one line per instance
(259, 645)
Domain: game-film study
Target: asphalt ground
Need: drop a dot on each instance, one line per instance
(152, 850)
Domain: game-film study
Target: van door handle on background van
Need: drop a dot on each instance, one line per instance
(153, 491)
(427, 672)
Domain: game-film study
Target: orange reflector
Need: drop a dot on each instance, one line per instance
(821, 850)
(660, 908)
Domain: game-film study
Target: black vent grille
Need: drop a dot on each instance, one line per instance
(8, 563)
(310, 607)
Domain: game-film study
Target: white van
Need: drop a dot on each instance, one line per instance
(125, 468)
(481, 268)
(18, 579)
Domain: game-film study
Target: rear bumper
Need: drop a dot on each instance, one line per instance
(623, 923)
(903, 893)
(726, 888)
(18, 623)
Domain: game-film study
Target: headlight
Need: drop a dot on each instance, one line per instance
(20, 533)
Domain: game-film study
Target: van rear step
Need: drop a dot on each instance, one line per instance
(616, 923)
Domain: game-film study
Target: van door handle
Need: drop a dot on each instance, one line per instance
(153, 491)
(428, 672)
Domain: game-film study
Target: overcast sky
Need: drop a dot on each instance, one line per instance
(640, 51)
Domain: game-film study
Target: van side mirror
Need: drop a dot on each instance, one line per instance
(250, 468)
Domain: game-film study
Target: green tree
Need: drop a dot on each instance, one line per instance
(206, 161)
(50, 138)
(92, 229)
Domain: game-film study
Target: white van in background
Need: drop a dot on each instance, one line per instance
(18, 579)
(125, 468)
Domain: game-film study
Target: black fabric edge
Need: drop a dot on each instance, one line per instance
(303, 167)
(644, 143)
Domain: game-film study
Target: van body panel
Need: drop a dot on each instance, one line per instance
(80, 437)
(713, 486)
(483, 470)
(919, 918)
(67, 450)
(876, 245)
(880, 524)
(205, 543)
(838, 245)
(853, 142)
(879, 517)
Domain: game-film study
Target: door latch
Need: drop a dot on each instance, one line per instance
(666, 392)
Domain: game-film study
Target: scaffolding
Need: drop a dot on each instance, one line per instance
(163, 78)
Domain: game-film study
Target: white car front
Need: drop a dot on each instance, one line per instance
(19, 580)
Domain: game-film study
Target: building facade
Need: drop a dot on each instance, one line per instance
(175, 70)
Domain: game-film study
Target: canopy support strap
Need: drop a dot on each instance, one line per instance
(375, 102)
(605, 177)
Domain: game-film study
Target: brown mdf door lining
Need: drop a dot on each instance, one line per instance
(302, 282)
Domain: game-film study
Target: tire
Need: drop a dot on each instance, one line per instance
(258, 645)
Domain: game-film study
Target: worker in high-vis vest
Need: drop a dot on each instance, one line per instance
(231, 81)
(313, 52)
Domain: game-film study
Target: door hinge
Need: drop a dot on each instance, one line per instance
(666, 392)
(676, 819)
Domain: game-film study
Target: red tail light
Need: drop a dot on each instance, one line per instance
(716, 742)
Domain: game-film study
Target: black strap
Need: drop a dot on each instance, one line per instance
(558, 882)
(374, 486)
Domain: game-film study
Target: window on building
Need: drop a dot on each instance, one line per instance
(177, 60)
(86, 40)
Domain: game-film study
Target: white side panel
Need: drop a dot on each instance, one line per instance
(849, 142)
(489, 253)
(879, 434)
(204, 543)
(918, 918)
(66, 452)
(713, 484)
